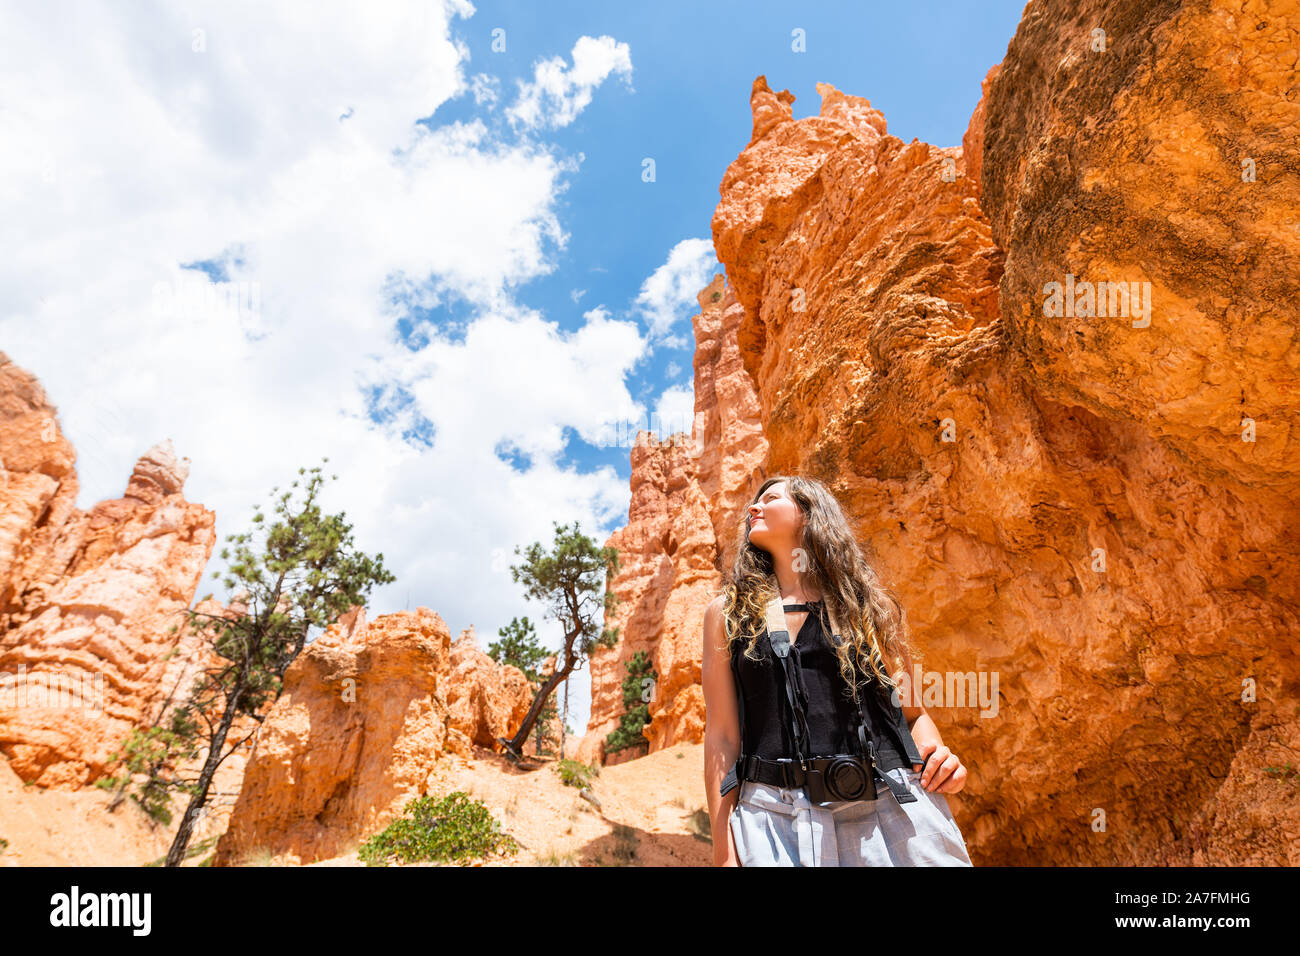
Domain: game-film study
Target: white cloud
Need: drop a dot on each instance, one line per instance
(669, 294)
(128, 153)
(557, 94)
(486, 89)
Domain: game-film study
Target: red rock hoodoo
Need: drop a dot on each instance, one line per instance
(87, 599)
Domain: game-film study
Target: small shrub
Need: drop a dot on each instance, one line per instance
(575, 774)
(451, 829)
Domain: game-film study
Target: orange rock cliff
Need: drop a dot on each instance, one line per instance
(367, 714)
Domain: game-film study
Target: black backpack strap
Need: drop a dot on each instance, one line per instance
(730, 781)
(779, 637)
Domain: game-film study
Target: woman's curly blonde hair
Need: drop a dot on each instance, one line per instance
(869, 614)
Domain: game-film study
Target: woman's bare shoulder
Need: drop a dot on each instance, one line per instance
(713, 615)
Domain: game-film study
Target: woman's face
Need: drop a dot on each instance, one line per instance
(775, 521)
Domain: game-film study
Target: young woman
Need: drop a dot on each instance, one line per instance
(805, 693)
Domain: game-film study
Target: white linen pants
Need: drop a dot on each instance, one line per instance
(776, 826)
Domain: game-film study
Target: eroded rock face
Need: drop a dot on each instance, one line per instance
(972, 142)
(1122, 165)
(486, 700)
(367, 713)
(88, 600)
(730, 449)
(666, 552)
(1065, 501)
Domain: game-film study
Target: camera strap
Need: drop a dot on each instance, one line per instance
(779, 635)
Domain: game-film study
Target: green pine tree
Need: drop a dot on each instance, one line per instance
(573, 580)
(297, 571)
(638, 688)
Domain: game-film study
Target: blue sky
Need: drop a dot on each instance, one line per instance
(273, 233)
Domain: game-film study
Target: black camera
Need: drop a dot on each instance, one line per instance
(839, 778)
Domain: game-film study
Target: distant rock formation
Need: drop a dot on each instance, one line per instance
(367, 714)
(485, 700)
(88, 600)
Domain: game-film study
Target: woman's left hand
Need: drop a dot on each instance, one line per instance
(944, 773)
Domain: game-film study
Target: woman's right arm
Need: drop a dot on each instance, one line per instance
(721, 733)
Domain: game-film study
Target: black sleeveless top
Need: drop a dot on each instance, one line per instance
(832, 715)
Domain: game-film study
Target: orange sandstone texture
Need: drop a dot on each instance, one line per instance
(1163, 687)
(730, 449)
(368, 715)
(972, 143)
(667, 553)
(486, 700)
(1167, 160)
(87, 599)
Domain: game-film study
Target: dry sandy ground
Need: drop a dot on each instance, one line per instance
(62, 828)
(650, 811)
